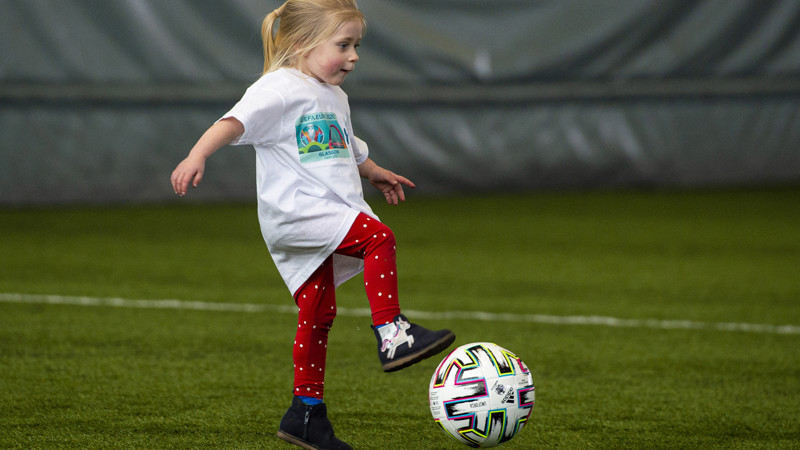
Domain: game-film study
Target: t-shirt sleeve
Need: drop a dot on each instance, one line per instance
(360, 150)
(260, 110)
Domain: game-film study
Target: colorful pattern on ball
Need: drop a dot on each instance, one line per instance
(481, 394)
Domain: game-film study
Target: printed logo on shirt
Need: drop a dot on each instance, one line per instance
(320, 138)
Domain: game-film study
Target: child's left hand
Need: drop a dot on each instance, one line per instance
(390, 184)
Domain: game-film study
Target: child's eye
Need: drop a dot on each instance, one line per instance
(345, 45)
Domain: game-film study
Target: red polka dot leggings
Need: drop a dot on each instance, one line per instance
(372, 241)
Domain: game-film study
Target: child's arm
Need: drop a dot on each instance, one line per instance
(385, 181)
(191, 169)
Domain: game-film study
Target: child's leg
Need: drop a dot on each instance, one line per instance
(400, 343)
(317, 302)
(373, 241)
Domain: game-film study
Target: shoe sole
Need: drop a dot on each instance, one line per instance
(295, 440)
(436, 347)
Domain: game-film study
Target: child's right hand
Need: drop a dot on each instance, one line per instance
(190, 170)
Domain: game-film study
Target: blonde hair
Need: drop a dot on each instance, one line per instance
(303, 25)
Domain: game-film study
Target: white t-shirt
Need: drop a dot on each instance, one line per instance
(309, 190)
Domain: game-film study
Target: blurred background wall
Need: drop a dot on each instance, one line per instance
(100, 99)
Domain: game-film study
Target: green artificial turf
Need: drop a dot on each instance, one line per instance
(124, 377)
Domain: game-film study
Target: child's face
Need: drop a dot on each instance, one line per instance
(331, 61)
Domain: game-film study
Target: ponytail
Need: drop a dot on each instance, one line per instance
(268, 37)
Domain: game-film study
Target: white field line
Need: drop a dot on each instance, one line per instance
(364, 312)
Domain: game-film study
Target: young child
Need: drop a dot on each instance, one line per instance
(319, 230)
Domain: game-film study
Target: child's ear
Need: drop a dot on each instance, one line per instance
(298, 50)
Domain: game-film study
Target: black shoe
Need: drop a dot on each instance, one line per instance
(401, 344)
(308, 426)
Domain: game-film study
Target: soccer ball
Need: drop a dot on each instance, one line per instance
(481, 394)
